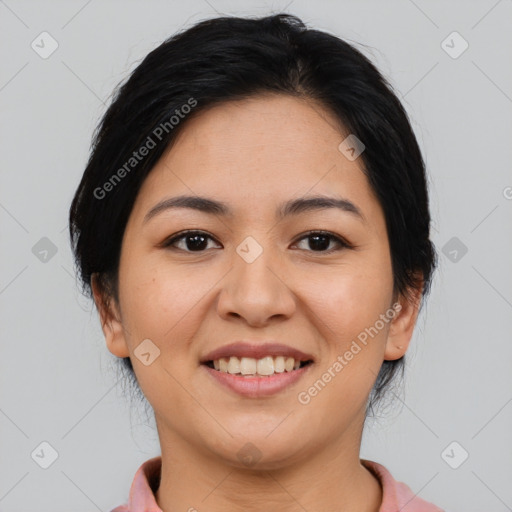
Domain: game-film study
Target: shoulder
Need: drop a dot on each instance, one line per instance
(397, 494)
(143, 488)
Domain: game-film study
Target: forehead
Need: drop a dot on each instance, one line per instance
(242, 133)
(268, 148)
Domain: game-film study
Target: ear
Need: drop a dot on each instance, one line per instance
(402, 325)
(110, 320)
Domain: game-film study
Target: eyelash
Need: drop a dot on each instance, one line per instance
(343, 244)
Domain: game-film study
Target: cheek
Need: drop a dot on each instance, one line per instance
(350, 300)
(349, 321)
(161, 302)
(166, 308)
(347, 308)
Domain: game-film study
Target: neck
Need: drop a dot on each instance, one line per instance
(331, 479)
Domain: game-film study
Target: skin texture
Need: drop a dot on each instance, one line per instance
(253, 155)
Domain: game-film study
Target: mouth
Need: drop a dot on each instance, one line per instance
(264, 367)
(256, 370)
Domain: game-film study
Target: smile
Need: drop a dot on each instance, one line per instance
(253, 384)
(250, 367)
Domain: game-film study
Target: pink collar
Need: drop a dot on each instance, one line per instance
(395, 495)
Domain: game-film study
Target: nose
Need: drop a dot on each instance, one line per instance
(257, 292)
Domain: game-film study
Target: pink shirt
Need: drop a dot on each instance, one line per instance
(395, 495)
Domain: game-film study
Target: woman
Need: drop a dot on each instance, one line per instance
(253, 225)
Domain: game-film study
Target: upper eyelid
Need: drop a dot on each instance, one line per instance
(189, 232)
(337, 238)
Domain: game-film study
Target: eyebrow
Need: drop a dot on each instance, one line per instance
(291, 207)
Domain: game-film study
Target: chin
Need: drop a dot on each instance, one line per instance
(260, 451)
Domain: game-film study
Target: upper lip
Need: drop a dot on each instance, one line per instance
(256, 351)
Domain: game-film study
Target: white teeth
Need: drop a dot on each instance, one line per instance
(266, 366)
(279, 364)
(223, 364)
(234, 365)
(289, 364)
(248, 366)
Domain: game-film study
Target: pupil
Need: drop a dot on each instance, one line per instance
(201, 244)
(316, 245)
(316, 242)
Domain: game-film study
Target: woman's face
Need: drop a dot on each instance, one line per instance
(256, 277)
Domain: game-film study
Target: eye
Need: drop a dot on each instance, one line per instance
(193, 241)
(319, 241)
(197, 241)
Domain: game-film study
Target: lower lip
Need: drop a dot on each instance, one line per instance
(255, 387)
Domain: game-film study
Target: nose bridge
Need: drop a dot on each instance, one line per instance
(253, 262)
(254, 268)
(254, 289)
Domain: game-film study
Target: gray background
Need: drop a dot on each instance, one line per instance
(57, 380)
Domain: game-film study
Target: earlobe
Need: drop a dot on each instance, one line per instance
(402, 326)
(110, 320)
